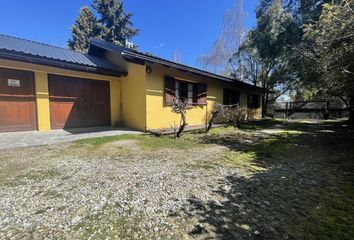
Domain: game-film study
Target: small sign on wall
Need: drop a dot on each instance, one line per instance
(13, 83)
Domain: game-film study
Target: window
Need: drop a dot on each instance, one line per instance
(184, 91)
(194, 93)
(231, 97)
(253, 101)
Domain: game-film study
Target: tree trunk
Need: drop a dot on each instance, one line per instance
(183, 125)
(351, 117)
(351, 110)
(211, 121)
(265, 105)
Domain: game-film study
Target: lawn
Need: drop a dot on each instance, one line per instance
(266, 180)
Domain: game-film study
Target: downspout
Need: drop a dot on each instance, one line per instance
(120, 102)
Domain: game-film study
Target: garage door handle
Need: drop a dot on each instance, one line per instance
(66, 99)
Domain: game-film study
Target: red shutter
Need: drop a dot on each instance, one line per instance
(195, 93)
(169, 90)
(202, 93)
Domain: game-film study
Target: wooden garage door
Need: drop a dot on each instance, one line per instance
(17, 101)
(78, 102)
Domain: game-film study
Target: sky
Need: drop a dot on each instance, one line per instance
(187, 26)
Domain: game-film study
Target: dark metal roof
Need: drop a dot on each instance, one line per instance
(13, 48)
(131, 54)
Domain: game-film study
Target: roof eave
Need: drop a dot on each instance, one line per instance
(135, 55)
(15, 56)
(141, 58)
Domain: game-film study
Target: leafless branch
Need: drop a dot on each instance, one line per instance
(180, 106)
(346, 71)
(234, 113)
(232, 34)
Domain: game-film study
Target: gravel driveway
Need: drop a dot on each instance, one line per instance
(14, 140)
(229, 184)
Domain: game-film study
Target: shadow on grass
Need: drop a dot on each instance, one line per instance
(304, 192)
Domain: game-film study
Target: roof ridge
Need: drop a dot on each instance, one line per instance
(113, 44)
(40, 43)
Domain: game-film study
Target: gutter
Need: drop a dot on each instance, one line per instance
(133, 55)
(8, 55)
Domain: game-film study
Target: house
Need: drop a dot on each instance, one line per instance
(43, 87)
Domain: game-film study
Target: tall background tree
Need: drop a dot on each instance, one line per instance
(113, 25)
(85, 27)
(231, 36)
(323, 53)
(265, 57)
(302, 48)
(116, 24)
(328, 48)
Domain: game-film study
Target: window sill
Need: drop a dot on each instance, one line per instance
(198, 105)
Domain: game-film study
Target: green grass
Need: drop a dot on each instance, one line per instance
(293, 153)
(36, 176)
(259, 125)
(146, 141)
(242, 160)
(40, 175)
(52, 194)
(223, 130)
(333, 217)
(203, 165)
(305, 168)
(108, 224)
(101, 226)
(279, 145)
(99, 141)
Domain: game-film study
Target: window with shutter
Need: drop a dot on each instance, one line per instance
(194, 93)
(201, 94)
(182, 91)
(170, 90)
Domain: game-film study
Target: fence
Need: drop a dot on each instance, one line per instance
(311, 110)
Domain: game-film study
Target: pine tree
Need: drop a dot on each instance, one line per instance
(116, 24)
(85, 27)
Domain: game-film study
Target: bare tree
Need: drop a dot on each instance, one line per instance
(217, 110)
(227, 113)
(176, 56)
(180, 106)
(231, 36)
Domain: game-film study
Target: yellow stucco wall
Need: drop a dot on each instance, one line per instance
(116, 115)
(137, 100)
(158, 115)
(133, 91)
(252, 114)
(42, 95)
(42, 100)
